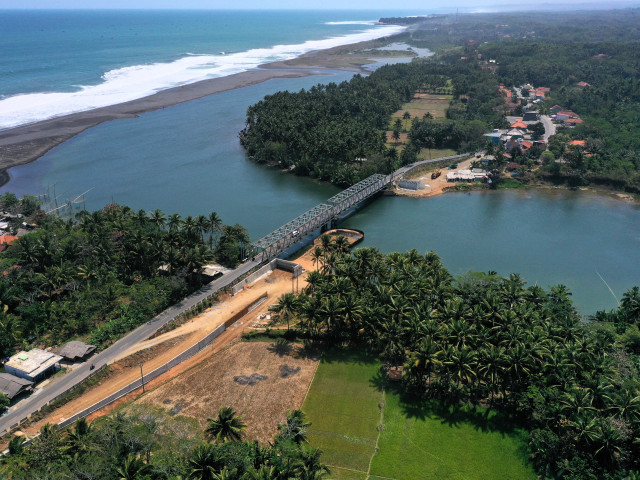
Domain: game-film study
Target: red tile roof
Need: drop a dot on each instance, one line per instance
(6, 240)
(582, 143)
(519, 124)
(573, 120)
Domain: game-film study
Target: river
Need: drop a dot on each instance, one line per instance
(187, 159)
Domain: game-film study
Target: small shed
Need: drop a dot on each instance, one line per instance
(32, 365)
(76, 350)
(12, 386)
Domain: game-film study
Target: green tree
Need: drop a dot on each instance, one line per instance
(295, 429)
(4, 403)
(133, 469)
(225, 427)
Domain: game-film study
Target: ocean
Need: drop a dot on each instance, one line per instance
(55, 62)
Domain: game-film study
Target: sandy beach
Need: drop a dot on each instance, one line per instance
(26, 143)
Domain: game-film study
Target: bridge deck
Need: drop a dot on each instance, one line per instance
(281, 238)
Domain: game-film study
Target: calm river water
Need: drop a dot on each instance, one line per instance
(187, 159)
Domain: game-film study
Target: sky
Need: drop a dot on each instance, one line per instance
(418, 5)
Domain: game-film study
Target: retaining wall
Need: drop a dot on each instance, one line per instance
(148, 377)
(268, 268)
(409, 184)
(190, 352)
(285, 265)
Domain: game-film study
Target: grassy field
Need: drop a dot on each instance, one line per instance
(343, 407)
(421, 104)
(418, 440)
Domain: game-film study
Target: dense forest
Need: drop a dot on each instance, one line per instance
(336, 132)
(102, 273)
(486, 340)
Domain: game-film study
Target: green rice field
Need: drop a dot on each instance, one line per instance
(347, 402)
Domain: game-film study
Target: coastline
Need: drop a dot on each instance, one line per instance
(26, 143)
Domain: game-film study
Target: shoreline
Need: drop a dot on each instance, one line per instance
(26, 143)
(613, 194)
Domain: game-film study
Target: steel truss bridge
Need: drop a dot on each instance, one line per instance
(319, 216)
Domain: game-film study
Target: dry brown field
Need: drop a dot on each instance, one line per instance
(255, 379)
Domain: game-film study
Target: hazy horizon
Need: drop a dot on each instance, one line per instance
(416, 6)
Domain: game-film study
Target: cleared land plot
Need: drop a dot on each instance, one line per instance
(422, 103)
(343, 408)
(429, 442)
(255, 378)
(419, 440)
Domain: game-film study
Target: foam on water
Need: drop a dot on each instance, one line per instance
(138, 81)
(357, 22)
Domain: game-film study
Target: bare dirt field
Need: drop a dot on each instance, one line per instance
(253, 378)
(431, 188)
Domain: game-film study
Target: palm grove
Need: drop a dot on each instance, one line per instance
(485, 340)
(103, 273)
(337, 132)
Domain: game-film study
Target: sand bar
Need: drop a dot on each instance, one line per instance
(26, 143)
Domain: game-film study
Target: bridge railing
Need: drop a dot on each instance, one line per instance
(289, 233)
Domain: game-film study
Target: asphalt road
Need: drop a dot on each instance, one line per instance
(36, 401)
(549, 127)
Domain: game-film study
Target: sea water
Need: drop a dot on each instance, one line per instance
(56, 62)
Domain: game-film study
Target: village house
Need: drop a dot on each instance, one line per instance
(33, 365)
(6, 241)
(12, 386)
(76, 350)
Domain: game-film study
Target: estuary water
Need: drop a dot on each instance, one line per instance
(187, 159)
(588, 242)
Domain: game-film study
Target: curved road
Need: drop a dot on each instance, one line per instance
(36, 401)
(549, 127)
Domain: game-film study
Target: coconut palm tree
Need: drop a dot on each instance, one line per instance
(308, 466)
(295, 429)
(133, 469)
(158, 218)
(285, 307)
(226, 426)
(78, 440)
(204, 461)
(265, 472)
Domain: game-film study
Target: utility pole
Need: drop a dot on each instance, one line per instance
(141, 377)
